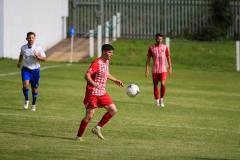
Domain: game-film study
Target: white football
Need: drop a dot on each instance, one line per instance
(132, 90)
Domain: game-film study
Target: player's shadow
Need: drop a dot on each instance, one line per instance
(38, 135)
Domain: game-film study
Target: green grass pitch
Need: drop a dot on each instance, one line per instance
(201, 120)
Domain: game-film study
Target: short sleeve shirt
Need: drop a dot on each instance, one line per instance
(99, 71)
(159, 53)
(29, 59)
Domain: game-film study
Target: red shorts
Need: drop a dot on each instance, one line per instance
(93, 101)
(156, 77)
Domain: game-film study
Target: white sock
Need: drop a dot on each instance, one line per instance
(98, 127)
(161, 100)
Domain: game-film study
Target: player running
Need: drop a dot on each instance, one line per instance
(161, 56)
(29, 57)
(96, 95)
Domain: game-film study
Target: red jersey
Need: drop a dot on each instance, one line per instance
(159, 53)
(99, 73)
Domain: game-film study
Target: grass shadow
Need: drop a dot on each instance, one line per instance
(38, 135)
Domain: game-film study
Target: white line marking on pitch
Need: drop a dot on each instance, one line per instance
(43, 68)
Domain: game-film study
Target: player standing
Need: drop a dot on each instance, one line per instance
(96, 95)
(160, 54)
(30, 55)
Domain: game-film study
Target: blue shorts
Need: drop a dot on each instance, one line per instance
(32, 75)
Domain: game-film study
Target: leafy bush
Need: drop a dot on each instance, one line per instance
(221, 19)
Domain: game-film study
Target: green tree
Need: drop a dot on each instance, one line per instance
(221, 20)
(222, 16)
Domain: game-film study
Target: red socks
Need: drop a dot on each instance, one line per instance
(106, 117)
(82, 127)
(156, 92)
(163, 88)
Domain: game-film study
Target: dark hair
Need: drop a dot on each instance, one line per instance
(159, 35)
(107, 47)
(31, 33)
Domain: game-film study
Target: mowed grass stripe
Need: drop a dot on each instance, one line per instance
(200, 121)
(60, 119)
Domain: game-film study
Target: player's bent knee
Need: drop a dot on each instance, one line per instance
(88, 118)
(26, 86)
(26, 83)
(35, 90)
(113, 111)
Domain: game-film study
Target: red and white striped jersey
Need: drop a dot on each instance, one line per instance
(99, 72)
(159, 53)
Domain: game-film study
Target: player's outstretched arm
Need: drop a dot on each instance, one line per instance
(115, 80)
